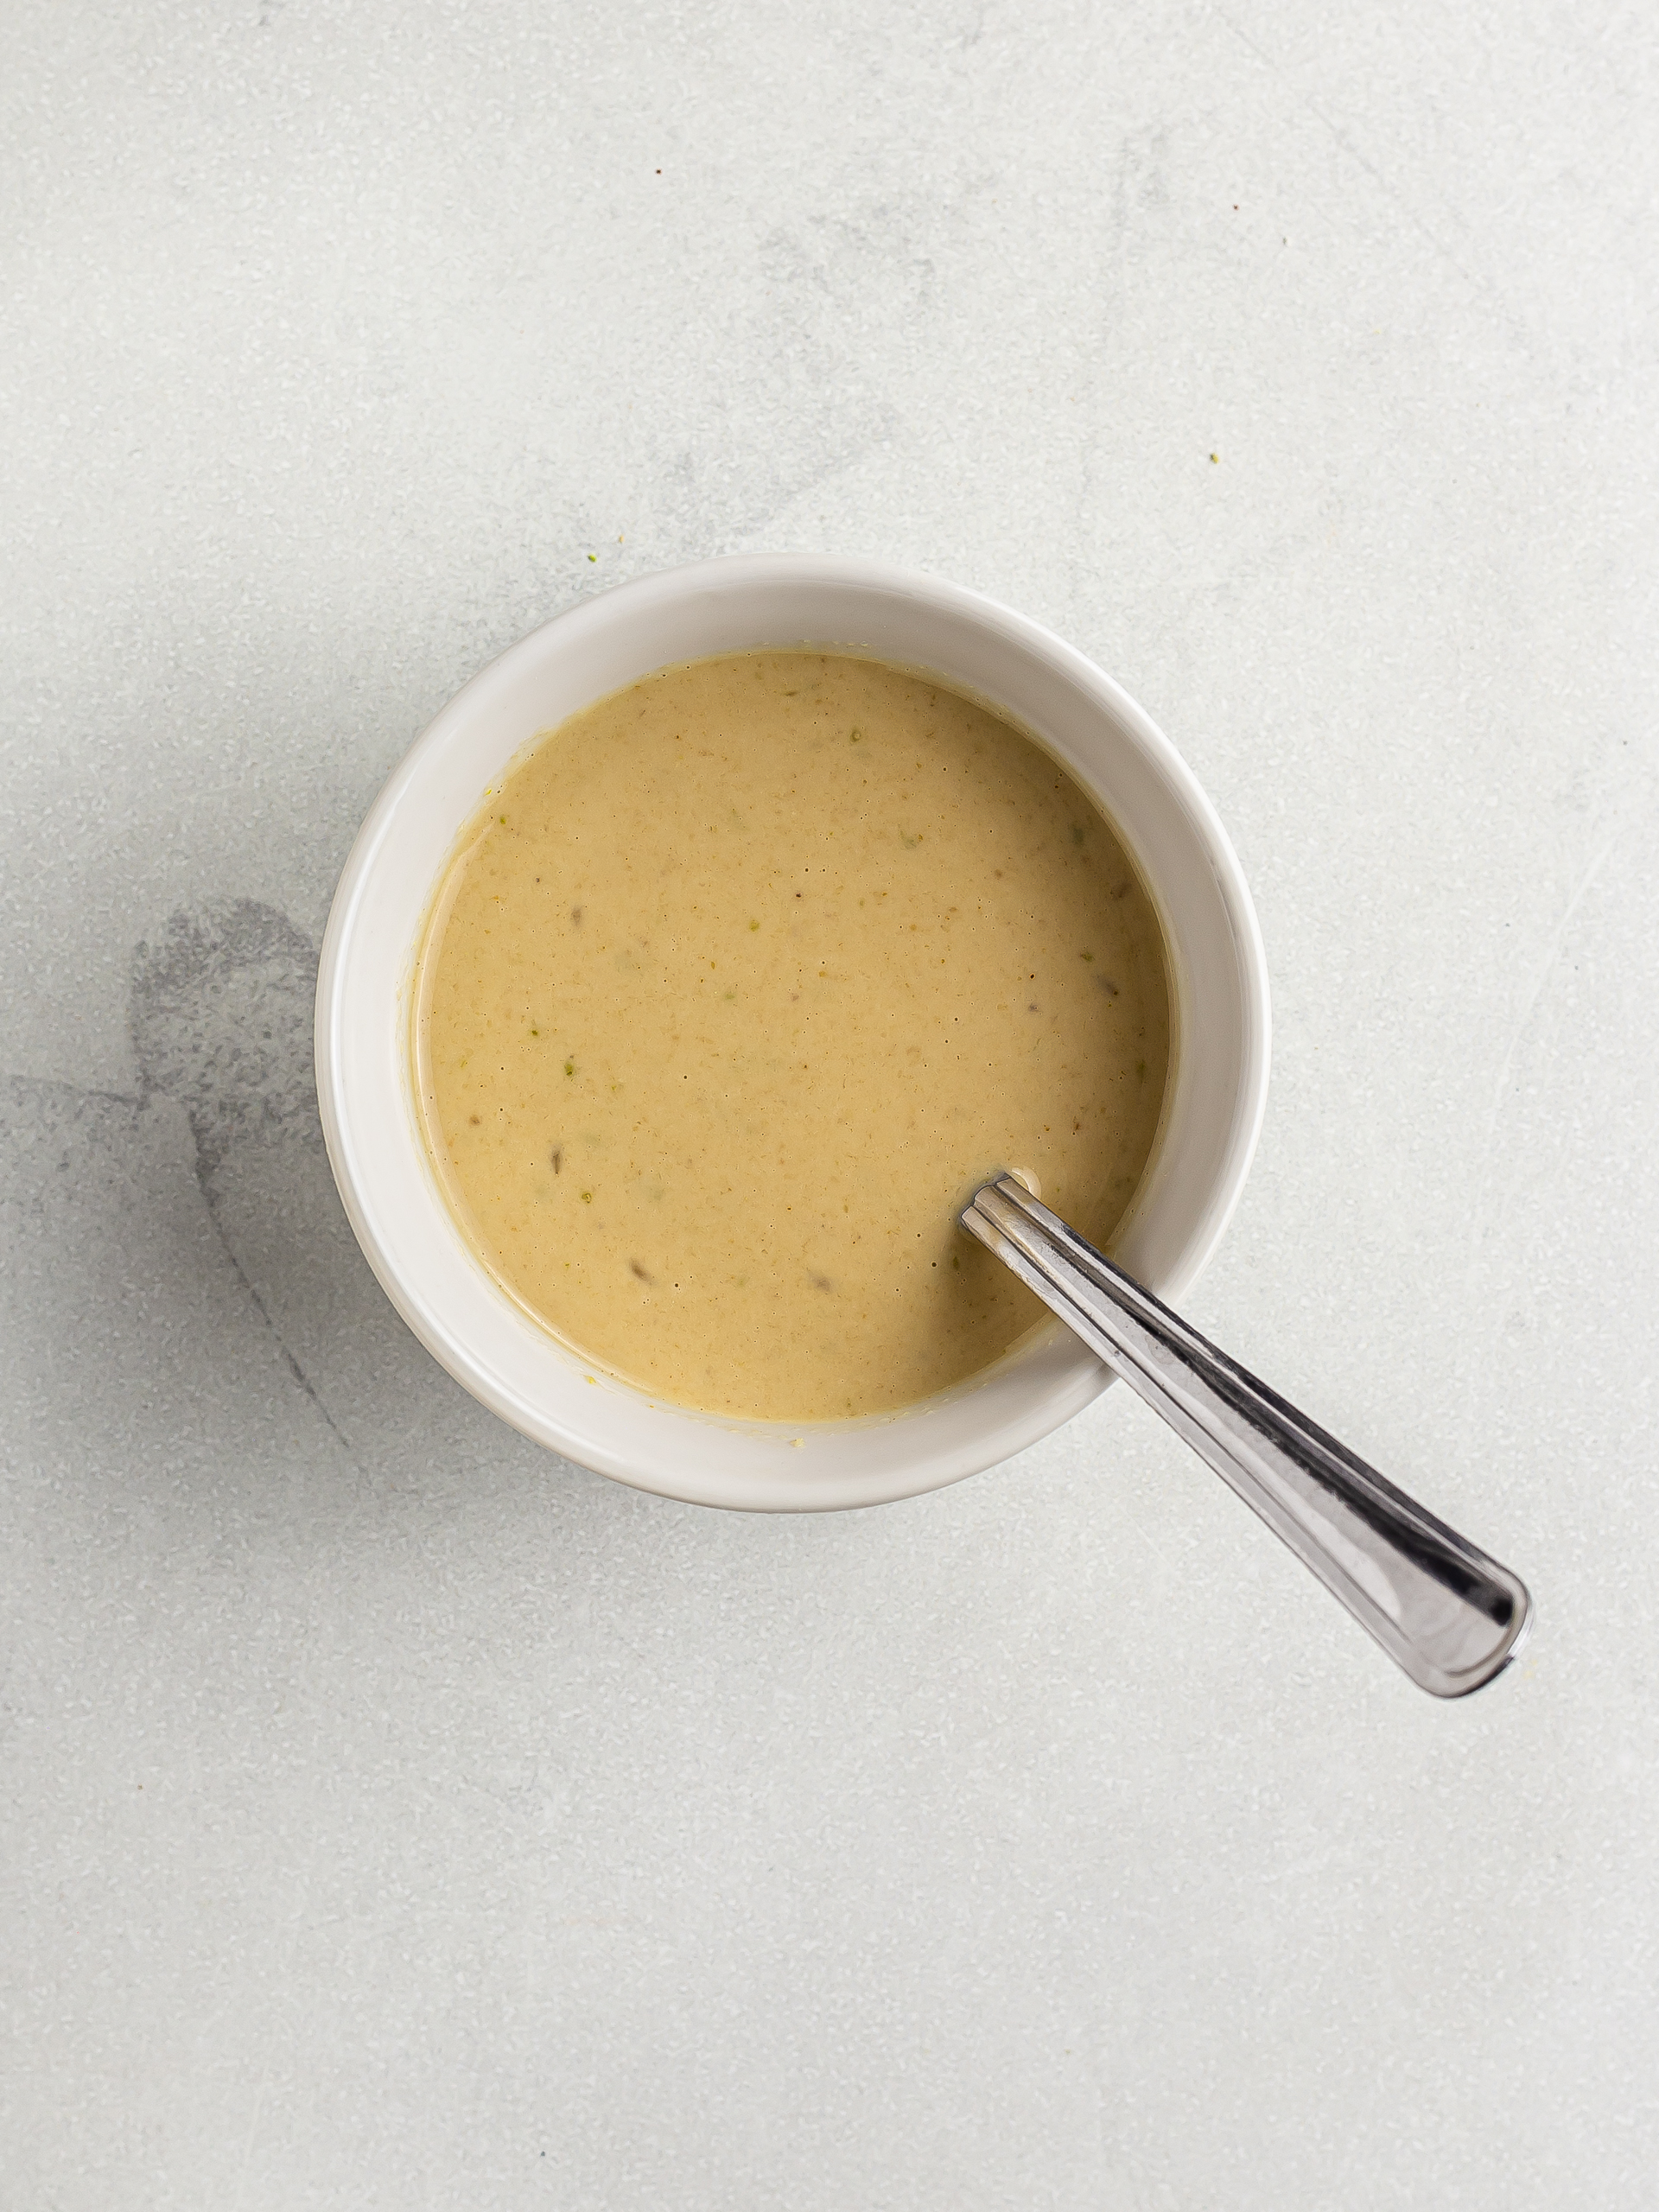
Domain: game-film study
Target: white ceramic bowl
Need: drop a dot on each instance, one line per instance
(369, 1110)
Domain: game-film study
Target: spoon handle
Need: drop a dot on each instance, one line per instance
(1450, 1615)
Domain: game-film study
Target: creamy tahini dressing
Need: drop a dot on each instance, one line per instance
(742, 978)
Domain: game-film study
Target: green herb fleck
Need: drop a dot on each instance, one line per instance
(754, 925)
(587, 1198)
(1085, 956)
(569, 1067)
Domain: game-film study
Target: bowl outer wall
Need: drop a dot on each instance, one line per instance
(366, 972)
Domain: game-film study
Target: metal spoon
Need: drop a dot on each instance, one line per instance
(1450, 1615)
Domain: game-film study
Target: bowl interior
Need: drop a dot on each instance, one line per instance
(369, 1110)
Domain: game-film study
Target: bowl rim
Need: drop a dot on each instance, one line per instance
(1047, 1410)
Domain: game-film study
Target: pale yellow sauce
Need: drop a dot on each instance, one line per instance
(742, 979)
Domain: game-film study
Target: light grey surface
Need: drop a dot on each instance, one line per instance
(393, 1817)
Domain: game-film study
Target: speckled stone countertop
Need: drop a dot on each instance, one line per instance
(394, 1816)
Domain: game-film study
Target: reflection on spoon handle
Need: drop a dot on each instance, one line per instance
(1450, 1615)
